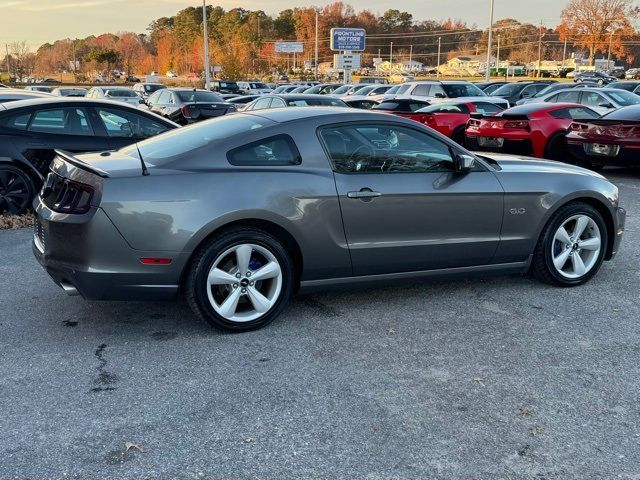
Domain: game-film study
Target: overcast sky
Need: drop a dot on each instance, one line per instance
(40, 21)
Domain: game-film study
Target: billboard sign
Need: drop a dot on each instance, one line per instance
(345, 62)
(348, 39)
(289, 47)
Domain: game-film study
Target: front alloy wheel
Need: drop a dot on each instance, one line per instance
(572, 246)
(16, 190)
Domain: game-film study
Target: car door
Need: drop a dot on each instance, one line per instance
(64, 128)
(404, 206)
(123, 127)
(159, 103)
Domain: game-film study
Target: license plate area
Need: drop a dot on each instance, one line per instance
(602, 149)
(491, 142)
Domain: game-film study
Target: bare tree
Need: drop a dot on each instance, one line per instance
(23, 61)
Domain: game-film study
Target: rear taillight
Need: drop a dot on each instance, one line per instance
(190, 112)
(428, 119)
(473, 123)
(66, 196)
(520, 124)
(579, 127)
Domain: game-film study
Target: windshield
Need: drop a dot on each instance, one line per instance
(153, 88)
(192, 139)
(441, 108)
(121, 93)
(508, 89)
(257, 85)
(624, 98)
(342, 89)
(198, 96)
(551, 88)
(462, 90)
(366, 90)
(393, 89)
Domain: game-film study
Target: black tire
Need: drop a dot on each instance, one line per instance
(196, 284)
(16, 190)
(557, 148)
(542, 266)
(458, 136)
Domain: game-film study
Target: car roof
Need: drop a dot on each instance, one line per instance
(148, 83)
(299, 96)
(53, 101)
(282, 115)
(187, 89)
(539, 106)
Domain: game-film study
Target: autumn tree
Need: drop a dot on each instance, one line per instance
(22, 60)
(130, 49)
(595, 24)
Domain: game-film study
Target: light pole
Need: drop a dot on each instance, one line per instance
(609, 51)
(498, 59)
(207, 75)
(316, 49)
(490, 40)
(391, 53)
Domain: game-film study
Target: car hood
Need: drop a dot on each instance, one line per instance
(515, 163)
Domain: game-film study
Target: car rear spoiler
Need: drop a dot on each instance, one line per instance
(480, 116)
(69, 158)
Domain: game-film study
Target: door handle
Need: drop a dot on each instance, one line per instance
(364, 193)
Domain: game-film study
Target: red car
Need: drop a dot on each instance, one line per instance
(613, 139)
(533, 129)
(450, 118)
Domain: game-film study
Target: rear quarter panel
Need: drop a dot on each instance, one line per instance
(175, 210)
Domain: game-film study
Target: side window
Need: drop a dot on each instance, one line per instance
(272, 151)
(64, 121)
(421, 90)
(17, 121)
(592, 99)
(261, 103)
(438, 91)
(415, 106)
(277, 103)
(487, 108)
(568, 97)
(384, 149)
(582, 113)
(120, 123)
(561, 113)
(529, 91)
(163, 97)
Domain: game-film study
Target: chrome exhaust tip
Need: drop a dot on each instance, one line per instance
(69, 289)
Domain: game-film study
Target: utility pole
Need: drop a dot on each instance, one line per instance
(315, 75)
(498, 58)
(73, 49)
(609, 51)
(438, 68)
(488, 74)
(564, 53)
(411, 57)
(207, 73)
(6, 46)
(391, 53)
(540, 51)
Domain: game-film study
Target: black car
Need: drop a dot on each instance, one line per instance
(629, 86)
(490, 87)
(362, 103)
(188, 105)
(30, 131)
(512, 92)
(293, 100)
(225, 86)
(600, 78)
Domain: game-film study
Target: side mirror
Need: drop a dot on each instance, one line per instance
(464, 163)
(605, 105)
(525, 95)
(440, 95)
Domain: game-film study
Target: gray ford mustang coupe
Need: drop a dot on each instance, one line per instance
(239, 212)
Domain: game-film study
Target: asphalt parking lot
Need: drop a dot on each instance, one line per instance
(497, 378)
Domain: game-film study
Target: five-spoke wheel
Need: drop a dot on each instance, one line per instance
(572, 246)
(240, 280)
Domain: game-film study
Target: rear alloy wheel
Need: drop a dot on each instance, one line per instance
(241, 281)
(16, 190)
(557, 149)
(572, 246)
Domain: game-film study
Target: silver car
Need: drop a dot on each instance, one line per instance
(240, 212)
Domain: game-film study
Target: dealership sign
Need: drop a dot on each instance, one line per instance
(348, 39)
(289, 47)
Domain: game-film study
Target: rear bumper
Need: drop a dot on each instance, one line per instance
(86, 255)
(626, 157)
(514, 146)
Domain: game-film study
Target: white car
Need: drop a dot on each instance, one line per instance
(434, 91)
(369, 93)
(254, 88)
(602, 100)
(118, 94)
(172, 74)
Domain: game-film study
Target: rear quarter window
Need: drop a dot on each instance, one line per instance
(278, 150)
